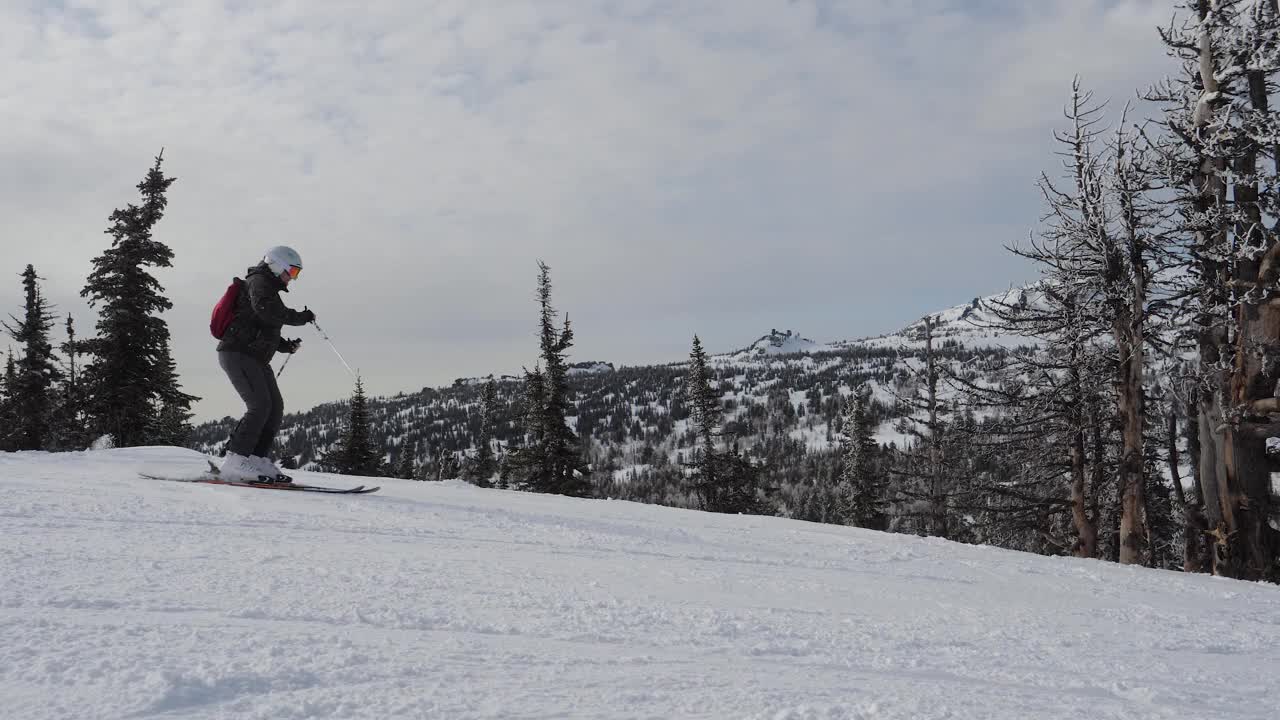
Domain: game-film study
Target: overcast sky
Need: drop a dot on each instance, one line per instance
(834, 167)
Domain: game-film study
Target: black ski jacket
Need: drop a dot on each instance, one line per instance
(260, 313)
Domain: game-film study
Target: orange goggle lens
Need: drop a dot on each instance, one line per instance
(294, 272)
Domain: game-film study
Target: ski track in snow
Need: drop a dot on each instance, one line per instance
(129, 598)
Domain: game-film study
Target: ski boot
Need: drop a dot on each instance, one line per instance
(268, 472)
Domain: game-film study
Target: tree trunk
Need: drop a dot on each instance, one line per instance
(1192, 536)
(937, 507)
(1086, 531)
(1097, 481)
(1128, 332)
(1196, 524)
(1087, 546)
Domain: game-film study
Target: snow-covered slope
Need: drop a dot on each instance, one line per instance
(128, 598)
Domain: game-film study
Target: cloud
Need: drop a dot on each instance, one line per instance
(711, 167)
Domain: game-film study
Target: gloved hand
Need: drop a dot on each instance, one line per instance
(290, 346)
(307, 316)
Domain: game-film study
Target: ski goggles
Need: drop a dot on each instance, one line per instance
(294, 272)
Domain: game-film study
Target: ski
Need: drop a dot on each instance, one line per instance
(295, 487)
(213, 479)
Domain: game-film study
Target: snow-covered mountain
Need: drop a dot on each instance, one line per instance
(972, 324)
(129, 598)
(775, 343)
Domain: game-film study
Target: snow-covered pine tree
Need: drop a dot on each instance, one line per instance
(131, 385)
(861, 494)
(1221, 156)
(355, 453)
(32, 394)
(550, 460)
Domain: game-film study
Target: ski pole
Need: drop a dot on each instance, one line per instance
(286, 362)
(334, 349)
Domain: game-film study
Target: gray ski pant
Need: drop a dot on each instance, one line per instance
(264, 407)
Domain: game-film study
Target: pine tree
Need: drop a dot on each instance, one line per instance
(481, 471)
(405, 466)
(550, 461)
(355, 454)
(707, 415)
(32, 401)
(71, 422)
(172, 422)
(724, 482)
(739, 482)
(862, 498)
(131, 383)
(527, 455)
(8, 417)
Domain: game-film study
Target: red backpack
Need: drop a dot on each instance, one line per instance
(225, 311)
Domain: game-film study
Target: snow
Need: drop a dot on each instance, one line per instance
(129, 598)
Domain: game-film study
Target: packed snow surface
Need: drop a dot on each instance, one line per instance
(122, 597)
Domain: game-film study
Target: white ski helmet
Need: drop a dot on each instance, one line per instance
(282, 259)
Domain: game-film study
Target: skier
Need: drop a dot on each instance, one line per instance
(245, 352)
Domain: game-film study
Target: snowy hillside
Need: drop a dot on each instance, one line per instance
(127, 598)
(781, 384)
